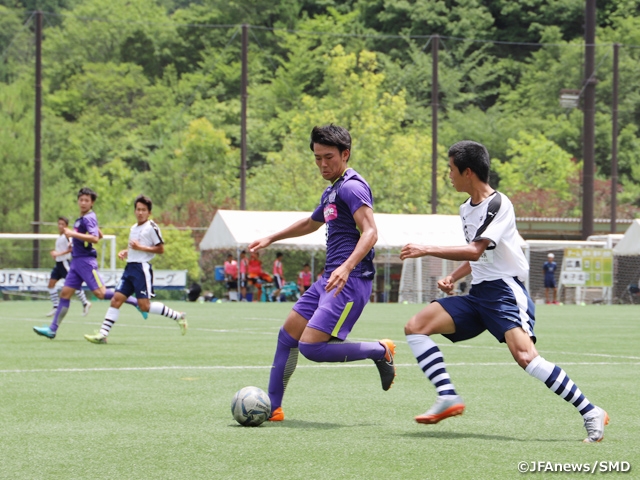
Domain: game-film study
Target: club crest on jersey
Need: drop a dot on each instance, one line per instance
(330, 212)
(332, 197)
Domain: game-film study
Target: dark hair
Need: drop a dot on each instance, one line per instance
(88, 191)
(473, 155)
(143, 199)
(229, 255)
(332, 136)
(64, 219)
(305, 265)
(279, 254)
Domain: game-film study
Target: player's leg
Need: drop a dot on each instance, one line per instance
(434, 319)
(51, 330)
(556, 379)
(335, 317)
(285, 361)
(86, 304)
(53, 294)
(110, 318)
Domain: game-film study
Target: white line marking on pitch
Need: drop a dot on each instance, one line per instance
(264, 367)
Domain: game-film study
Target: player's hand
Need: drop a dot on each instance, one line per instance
(446, 285)
(338, 279)
(122, 254)
(135, 245)
(68, 232)
(259, 244)
(412, 250)
(53, 254)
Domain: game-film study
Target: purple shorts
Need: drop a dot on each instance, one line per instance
(334, 315)
(84, 269)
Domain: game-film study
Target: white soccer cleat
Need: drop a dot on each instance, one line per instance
(595, 425)
(52, 312)
(445, 406)
(85, 309)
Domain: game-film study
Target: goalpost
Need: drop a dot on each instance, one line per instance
(53, 236)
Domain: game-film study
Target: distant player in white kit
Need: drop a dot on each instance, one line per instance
(497, 301)
(145, 241)
(62, 256)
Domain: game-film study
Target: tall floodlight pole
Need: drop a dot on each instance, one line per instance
(614, 139)
(434, 123)
(589, 119)
(37, 166)
(243, 118)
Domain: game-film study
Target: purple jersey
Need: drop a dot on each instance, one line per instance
(338, 204)
(87, 224)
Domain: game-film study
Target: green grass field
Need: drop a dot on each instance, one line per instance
(155, 405)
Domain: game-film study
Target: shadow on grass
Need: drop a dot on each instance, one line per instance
(303, 424)
(479, 436)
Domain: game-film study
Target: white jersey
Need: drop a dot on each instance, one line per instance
(148, 235)
(62, 245)
(494, 219)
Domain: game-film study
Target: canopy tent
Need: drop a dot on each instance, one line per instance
(630, 243)
(231, 229)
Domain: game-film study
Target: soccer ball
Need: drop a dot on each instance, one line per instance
(250, 406)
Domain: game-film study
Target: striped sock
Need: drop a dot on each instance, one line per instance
(431, 362)
(556, 379)
(158, 308)
(110, 318)
(81, 296)
(53, 295)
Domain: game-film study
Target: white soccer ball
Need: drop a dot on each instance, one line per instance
(251, 406)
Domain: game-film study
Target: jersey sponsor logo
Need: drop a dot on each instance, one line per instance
(330, 212)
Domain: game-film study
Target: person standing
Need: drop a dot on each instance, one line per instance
(498, 300)
(321, 319)
(550, 289)
(278, 277)
(304, 278)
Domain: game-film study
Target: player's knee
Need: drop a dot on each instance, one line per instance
(523, 358)
(312, 351)
(418, 325)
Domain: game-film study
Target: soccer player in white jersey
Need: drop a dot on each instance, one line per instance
(497, 301)
(62, 256)
(145, 241)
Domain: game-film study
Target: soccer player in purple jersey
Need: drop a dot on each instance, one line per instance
(84, 264)
(325, 314)
(498, 300)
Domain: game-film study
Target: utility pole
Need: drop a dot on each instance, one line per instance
(589, 119)
(614, 139)
(243, 118)
(435, 40)
(37, 182)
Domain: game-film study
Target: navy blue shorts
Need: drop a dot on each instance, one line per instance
(137, 279)
(497, 306)
(277, 282)
(549, 282)
(60, 270)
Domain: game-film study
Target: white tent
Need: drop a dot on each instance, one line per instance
(630, 243)
(231, 229)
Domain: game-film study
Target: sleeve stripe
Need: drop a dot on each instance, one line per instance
(492, 210)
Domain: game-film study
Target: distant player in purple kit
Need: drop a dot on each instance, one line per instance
(497, 302)
(84, 264)
(549, 269)
(62, 256)
(323, 317)
(145, 241)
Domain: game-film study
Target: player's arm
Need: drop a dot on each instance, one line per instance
(368, 238)
(471, 252)
(83, 237)
(157, 249)
(298, 229)
(447, 283)
(123, 254)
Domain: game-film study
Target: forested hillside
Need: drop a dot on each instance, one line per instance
(144, 97)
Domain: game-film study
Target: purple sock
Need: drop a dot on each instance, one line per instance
(342, 352)
(63, 308)
(284, 363)
(108, 295)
